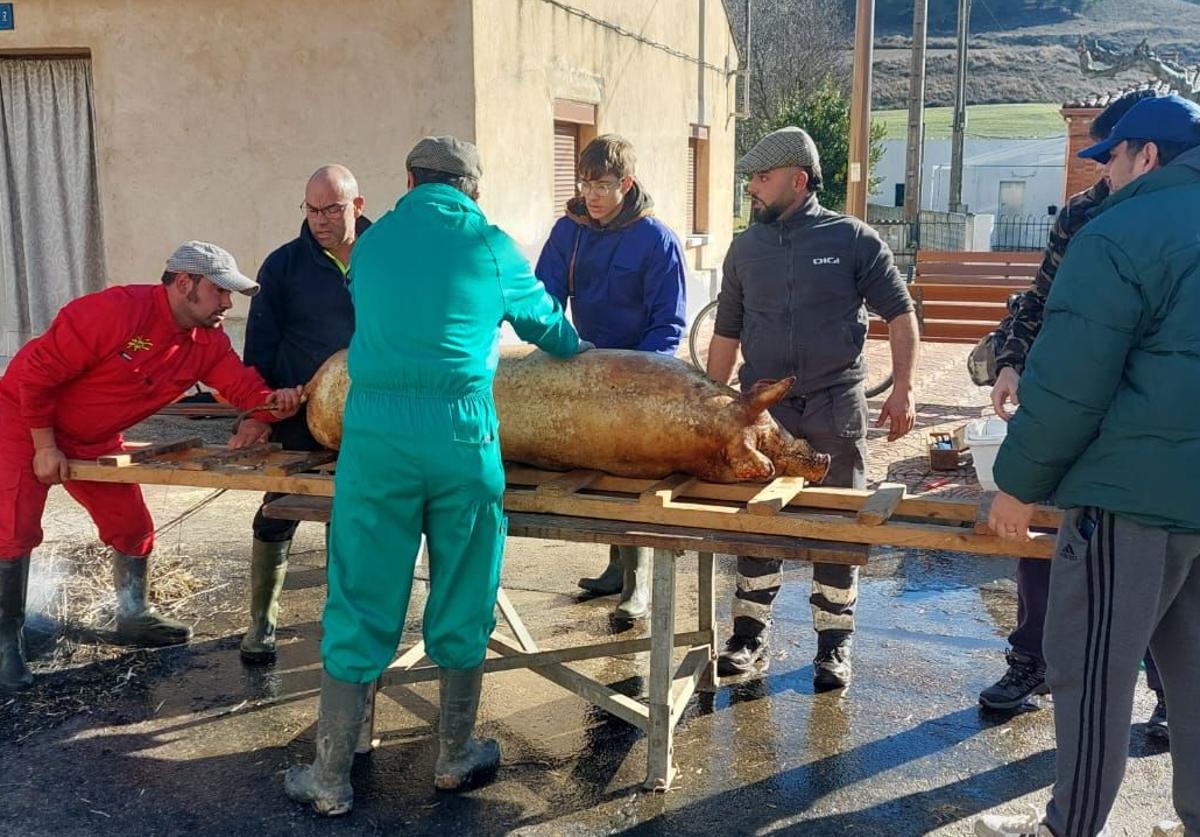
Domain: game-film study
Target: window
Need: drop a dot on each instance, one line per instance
(697, 181)
(574, 127)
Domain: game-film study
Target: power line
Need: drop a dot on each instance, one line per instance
(641, 39)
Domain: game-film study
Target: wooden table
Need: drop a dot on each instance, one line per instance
(671, 685)
(678, 514)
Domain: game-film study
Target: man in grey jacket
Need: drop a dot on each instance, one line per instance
(793, 297)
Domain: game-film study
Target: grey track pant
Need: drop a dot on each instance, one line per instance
(1117, 586)
(833, 422)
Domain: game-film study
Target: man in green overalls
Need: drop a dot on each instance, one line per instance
(431, 282)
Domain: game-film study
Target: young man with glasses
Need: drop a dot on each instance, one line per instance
(302, 316)
(623, 272)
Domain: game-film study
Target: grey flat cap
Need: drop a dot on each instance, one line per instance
(780, 149)
(448, 154)
(216, 263)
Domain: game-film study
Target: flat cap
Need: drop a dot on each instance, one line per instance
(784, 148)
(203, 258)
(448, 154)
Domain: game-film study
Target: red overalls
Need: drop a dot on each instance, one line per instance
(109, 360)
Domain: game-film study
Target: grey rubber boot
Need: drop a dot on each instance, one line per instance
(138, 623)
(14, 582)
(463, 761)
(268, 568)
(635, 592)
(609, 582)
(325, 784)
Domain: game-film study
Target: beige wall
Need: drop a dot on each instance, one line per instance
(211, 114)
(530, 52)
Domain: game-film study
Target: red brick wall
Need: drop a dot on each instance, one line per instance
(1080, 173)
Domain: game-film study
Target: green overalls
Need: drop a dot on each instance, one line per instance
(431, 282)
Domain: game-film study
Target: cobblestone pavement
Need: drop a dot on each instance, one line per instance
(946, 400)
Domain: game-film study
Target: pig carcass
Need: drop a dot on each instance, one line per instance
(632, 414)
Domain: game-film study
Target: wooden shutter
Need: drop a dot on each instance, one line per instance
(691, 186)
(566, 152)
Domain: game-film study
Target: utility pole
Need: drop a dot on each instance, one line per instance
(960, 108)
(916, 113)
(860, 111)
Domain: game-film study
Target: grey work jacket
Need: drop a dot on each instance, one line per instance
(793, 294)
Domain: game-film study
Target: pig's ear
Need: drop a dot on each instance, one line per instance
(766, 393)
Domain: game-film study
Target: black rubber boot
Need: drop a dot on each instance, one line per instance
(138, 623)
(831, 666)
(743, 655)
(609, 582)
(464, 761)
(14, 582)
(1026, 676)
(325, 784)
(635, 587)
(1157, 727)
(268, 568)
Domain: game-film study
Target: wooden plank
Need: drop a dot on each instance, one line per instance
(882, 504)
(142, 454)
(664, 491)
(687, 678)
(959, 310)
(229, 456)
(706, 613)
(775, 495)
(964, 293)
(515, 623)
(623, 706)
(793, 524)
(660, 733)
(170, 474)
(1022, 257)
(985, 510)
(568, 483)
(396, 675)
(817, 497)
(300, 462)
(961, 329)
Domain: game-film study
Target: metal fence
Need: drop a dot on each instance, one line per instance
(1021, 232)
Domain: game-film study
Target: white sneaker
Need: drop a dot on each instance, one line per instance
(1021, 825)
(1168, 828)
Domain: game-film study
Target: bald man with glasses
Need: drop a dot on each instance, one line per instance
(302, 316)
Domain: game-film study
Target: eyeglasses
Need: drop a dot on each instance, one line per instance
(332, 211)
(601, 188)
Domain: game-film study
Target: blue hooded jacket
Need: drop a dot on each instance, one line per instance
(625, 281)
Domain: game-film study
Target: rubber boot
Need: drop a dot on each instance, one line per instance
(609, 582)
(268, 567)
(138, 623)
(635, 592)
(831, 666)
(325, 784)
(14, 582)
(464, 761)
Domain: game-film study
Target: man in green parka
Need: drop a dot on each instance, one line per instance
(431, 282)
(1110, 426)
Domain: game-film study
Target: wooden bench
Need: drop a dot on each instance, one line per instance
(962, 296)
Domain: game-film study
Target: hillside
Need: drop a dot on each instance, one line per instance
(1031, 57)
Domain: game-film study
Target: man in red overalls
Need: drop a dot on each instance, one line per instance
(109, 360)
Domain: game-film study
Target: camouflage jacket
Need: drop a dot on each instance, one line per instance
(1019, 329)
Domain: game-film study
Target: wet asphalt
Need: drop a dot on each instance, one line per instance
(199, 746)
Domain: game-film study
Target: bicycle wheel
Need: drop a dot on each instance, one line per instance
(700, 335)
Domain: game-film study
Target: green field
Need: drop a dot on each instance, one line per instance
(1034, 120)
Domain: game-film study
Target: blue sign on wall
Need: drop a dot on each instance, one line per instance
(6, 18)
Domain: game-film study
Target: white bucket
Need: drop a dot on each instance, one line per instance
(984, 436)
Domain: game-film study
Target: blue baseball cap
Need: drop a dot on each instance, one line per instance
(1158, 119)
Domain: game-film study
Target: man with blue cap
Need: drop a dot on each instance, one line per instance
(1108, 425)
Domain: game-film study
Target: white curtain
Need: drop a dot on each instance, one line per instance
(51, 241)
